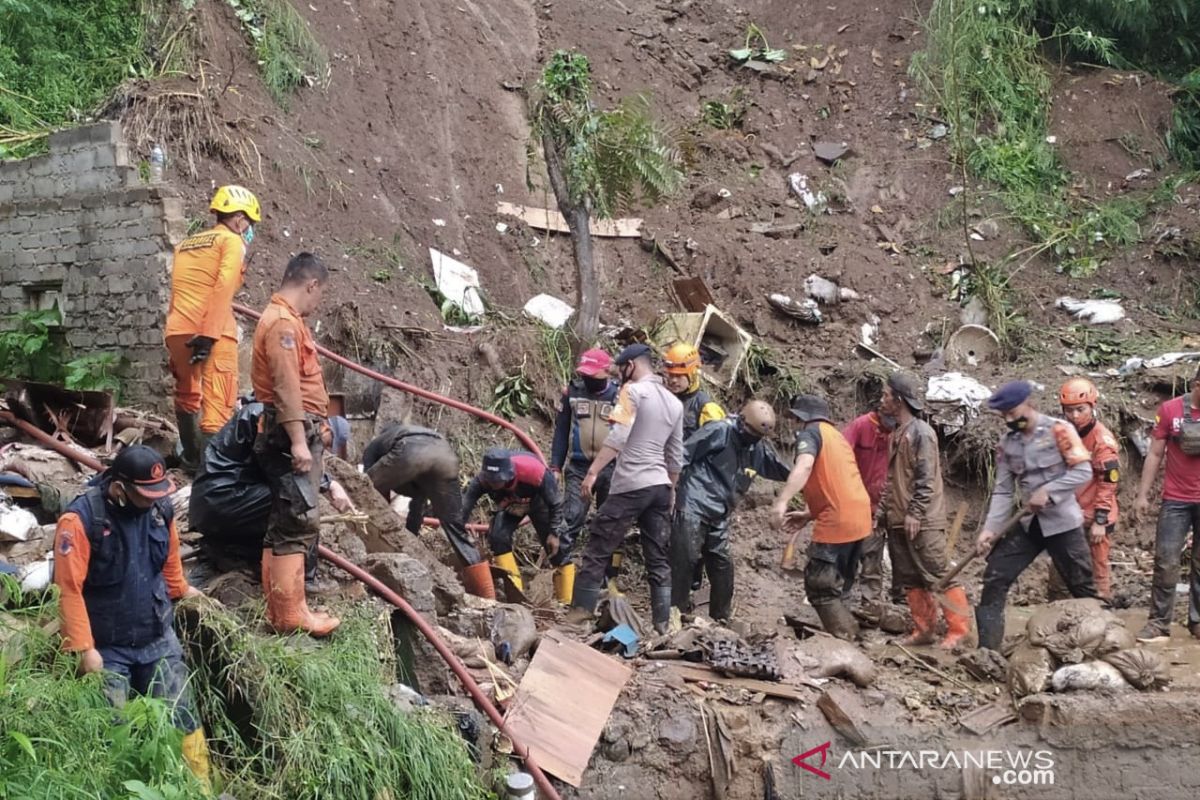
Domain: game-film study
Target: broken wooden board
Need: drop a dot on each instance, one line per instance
(546, 220)
(693, 294)
(987, 718)
(563, 703)
(695, 673)
(844, 711)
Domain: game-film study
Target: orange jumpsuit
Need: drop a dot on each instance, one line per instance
(207, 272)
(1097, 495)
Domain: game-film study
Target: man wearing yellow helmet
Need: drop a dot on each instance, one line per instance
(201, 334)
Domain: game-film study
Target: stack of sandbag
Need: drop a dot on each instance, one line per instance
(1076, 645)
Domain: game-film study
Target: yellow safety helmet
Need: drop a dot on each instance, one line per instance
(681, 359)
(230, 199)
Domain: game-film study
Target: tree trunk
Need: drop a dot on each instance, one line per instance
(586, 325)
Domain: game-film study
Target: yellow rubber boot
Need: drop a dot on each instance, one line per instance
(564, 583)
(613, 571)
(508, 563)
(195, 753)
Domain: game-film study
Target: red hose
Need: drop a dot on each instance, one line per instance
(76, 455)
(481, 699)
(523, 437)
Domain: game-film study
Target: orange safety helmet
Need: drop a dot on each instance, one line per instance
(1078, 391)
(681, 359)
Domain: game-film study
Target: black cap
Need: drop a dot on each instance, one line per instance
(635, 350)
(809, 407)
(497, 466)
(143, 469)
(907, 389)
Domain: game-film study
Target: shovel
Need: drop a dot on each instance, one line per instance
(1005, 527)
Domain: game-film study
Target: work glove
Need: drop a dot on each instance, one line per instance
(201, 347)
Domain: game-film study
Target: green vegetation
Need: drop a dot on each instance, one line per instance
(767, 377)
(755, 48)
(289, 56)
(513, 396)
(599, 163)
(33, 349)
(556, 352)
(725, 114)
(59, 60)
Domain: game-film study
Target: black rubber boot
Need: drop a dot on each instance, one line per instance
(189, 439)
(989, 622)
(720, 596)
(660, 608)
(837, 620)
(584, 600)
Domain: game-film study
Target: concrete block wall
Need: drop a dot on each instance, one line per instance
(78, 229)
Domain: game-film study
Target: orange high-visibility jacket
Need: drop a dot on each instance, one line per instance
(207, 272)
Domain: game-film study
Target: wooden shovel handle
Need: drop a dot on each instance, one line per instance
(1012, 520)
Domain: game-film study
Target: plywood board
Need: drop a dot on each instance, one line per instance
(545, 219)
(563, 703)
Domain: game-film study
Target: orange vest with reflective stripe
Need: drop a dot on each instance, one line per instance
(206, 273)
(835, 493)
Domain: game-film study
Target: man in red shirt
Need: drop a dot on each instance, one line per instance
(1177, 435)
(869, 435)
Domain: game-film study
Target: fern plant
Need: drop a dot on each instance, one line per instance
(600, 163)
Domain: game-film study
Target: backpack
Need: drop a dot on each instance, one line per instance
(1188, 434)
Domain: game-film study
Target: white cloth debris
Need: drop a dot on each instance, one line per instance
(15, 523)
(826, 291)
(457, 282)
(549, 310)
(813, 201)
(36, 576)
(954, 398)
(805, 310)
(1165, 360)
(1093, 312)
(870, 331)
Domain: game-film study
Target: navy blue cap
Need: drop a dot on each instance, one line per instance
(497, 466)
(635, 350)
(1010, 395)
(142, 468)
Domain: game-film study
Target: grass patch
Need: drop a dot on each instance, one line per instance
(289, 56)
(556, 353)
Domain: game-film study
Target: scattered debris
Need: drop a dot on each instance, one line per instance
(830, 152)
(938, 131)
(458, 283)
(1093, 312)
(544, 219)
(987, 229)
(805, 310)
(1088, 676)
(16, 523)
(1158, 362)
(826, 291)
(549, 310)
(1138, 174)
(625, 637)
(869, 332)
(845, 713)
(985, 719)
(563, 703)
(693, 294)
(1143, 668)
(774, 231)
(513, 628)
(837, 658)
(815, 202)
(738, 658)
(954, 399)
(696, 673)
(1029, 670)
(971, 345)
(984, 665)
(721, 341)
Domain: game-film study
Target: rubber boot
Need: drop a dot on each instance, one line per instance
(564, 583)
(613, 572)
(837, 620)
(266, 570)
(989, 622)
(958, 624)
(189, 439)
(508, 563)
(477, 580)
(924, 615)
(287, 609)
(195, 754)
(660, 608)
(720, 593)
(584, 600)
(202, 440)
(698, 576)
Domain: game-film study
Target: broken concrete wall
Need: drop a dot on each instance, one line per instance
(79, 230)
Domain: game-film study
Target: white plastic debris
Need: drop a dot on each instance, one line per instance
(954, 398)
(805, 310)
(457, 282)
(36, 576)
(870, 331)
(441, 223)
(16, 523)
(1165, 360)
(501, 227)
(1144, 172)
(1093, 312)
(400, 504)
(549, 310)
(826, 291)
(815, 202)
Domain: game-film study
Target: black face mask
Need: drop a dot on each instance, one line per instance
(595, 385)
(1017, 425)
(626, 373)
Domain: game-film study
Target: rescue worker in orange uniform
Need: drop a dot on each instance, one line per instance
(1098, 497)
(201, 334)
(117, 567)
(826, 472)
(288, 382)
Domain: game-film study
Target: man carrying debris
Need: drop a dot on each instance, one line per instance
(1044, 457)
(869, 435)
(720, 461)
(420, 464)
(1177, 436)
(117, 567)
(520, 485)
(579, 432)
(230, 502)
(838, 504)
(201, 334)
(1097, 497)
(914, 516)
(288, 381)
(647, 443)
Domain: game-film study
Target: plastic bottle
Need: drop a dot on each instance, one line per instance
(520, 786)
(158, 160)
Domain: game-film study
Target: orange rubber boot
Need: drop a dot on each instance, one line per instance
(287, 609)
(477, 580)
(924, 614)
(958, 617)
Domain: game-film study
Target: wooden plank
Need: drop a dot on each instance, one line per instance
(843, 711)
(694, 673)
(693, 294)
(545, 219)
(563, 703)
(987, 718)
